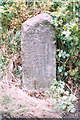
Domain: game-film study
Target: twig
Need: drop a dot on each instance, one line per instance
(6, 79)
(74, 9)
(69, 88)
(12, 75)
(76, 90)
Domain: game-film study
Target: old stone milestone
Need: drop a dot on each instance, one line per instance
(38, 52)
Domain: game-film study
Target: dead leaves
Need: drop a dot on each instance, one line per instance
(37, 94)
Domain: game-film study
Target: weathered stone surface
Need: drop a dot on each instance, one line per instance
(38, 52)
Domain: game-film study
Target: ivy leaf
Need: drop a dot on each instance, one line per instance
(73, 110)
(63, 106)
(67, 55)
(73, 97)
(60, 68)
(70, 107)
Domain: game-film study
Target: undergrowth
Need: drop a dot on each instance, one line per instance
(65, 20)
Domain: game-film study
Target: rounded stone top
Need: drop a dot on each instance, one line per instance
(37, 19)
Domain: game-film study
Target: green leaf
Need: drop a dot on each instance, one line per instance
(73, 110)
(70, 106)
(73, 97)
(67, 55)
(60, 68)
(64, 97)
(63, 106)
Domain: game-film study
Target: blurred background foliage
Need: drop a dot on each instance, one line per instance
(65, 21)
(12, 15)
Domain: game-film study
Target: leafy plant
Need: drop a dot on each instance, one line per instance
(67, 41)
(65, 21)
(63, 100)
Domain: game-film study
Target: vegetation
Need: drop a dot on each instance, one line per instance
(65, 20)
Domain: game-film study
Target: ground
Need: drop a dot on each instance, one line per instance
(16, 102)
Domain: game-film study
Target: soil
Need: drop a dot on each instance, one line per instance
(21, 103)
(18, 102)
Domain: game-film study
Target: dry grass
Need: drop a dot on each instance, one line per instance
(17, 103)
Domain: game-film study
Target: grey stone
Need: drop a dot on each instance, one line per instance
(38, 52)
(0, 117)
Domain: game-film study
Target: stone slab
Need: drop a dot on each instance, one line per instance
(38, 52)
